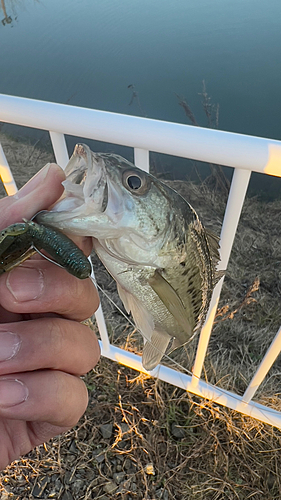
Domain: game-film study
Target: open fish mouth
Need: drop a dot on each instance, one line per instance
(86, 182)
(92, 203)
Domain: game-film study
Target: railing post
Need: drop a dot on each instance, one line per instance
(141, 159)
(267, 362)
(100, 318)
(6, 174)
(60, 149)
(234, 206)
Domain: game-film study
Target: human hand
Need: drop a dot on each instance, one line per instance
(44, 349)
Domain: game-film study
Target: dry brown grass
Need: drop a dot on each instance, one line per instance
(219, 454)
(25, 159)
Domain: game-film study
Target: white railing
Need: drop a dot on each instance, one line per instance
(244, 153)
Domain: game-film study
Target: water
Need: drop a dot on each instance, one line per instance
(87, 53)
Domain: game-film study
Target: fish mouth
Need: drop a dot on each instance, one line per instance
(89, 193)
(85, 189)
(86, 179)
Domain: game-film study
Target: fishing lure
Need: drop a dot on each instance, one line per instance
(21, 240)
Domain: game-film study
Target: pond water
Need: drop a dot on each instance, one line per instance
(88, 53)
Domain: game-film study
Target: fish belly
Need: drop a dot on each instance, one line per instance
(150, 315)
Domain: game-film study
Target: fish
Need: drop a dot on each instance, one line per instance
(150, 240)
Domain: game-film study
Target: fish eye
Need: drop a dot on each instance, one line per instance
(135, 182)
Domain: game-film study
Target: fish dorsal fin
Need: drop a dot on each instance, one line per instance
(214, 246)
(171, 300)
(218, 276)
(154, 350)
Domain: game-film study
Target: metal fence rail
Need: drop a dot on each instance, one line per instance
(244, 153)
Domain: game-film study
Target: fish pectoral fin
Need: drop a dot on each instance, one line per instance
(142, 318)
(214, 245)
(175, 345)
(171, 300)
(155, 349)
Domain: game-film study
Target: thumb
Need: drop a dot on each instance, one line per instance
(38, 194)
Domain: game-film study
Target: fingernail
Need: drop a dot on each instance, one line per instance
(12, 392)
(9, 345)
(25, 283)
(34, 182)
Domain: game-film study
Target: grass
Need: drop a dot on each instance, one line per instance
(165, 443)
(222, 454)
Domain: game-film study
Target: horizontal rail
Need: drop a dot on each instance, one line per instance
(202, 389)
(207, 145)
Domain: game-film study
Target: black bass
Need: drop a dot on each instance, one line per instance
(150, 240)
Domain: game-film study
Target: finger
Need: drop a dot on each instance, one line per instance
(41, 287)
(46, 396)
(38, 194)
(54, 343)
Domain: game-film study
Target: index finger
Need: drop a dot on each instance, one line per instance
(38, 194)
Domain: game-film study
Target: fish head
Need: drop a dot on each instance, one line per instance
(106, 196)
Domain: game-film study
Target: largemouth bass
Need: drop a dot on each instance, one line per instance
(150, 240)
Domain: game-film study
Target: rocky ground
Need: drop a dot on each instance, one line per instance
(142, 439)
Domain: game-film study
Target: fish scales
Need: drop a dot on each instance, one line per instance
(150, 240)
